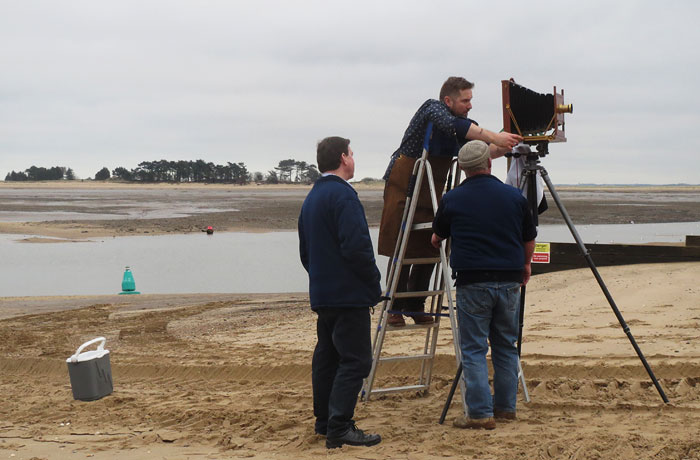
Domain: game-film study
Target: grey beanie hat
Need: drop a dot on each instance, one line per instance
(473, 153)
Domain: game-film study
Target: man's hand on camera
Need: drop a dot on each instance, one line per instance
(506, 140)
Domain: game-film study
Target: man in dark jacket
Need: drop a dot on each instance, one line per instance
(493, 238)
(336, 251)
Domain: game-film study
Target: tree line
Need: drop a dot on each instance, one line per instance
(287, 171)
(37, 173)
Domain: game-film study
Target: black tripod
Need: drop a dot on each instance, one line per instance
(532, 166)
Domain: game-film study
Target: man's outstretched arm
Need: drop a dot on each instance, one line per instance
(501, 143)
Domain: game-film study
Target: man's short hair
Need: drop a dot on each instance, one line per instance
(453, 86)
(329, 151)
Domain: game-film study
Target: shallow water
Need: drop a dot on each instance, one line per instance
(219, 263)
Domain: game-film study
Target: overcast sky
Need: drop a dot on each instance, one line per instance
(87, 84)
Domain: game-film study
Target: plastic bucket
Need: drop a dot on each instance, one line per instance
(90, 371)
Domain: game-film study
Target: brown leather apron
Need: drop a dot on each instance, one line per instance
(395, 200)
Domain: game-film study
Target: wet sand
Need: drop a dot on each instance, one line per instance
(134, 209)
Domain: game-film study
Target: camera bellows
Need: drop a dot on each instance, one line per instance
(535, 116)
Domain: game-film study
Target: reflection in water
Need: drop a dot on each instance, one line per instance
(220, 263)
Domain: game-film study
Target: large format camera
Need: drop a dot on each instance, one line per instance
(539, 118)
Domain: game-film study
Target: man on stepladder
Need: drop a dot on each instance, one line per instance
(336, 251)
(493, 239)
(451, 129)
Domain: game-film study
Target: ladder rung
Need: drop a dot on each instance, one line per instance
(402, 295)
(425, 226)
(422, 260)
(397, 389)
(389, 327)
(389, 359)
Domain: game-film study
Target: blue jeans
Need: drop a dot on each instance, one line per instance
(490, 311)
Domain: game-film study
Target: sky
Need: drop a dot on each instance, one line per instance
(92, 84)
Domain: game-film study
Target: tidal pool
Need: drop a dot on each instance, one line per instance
(219, 263)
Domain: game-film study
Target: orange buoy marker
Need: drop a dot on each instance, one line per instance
(128, 283)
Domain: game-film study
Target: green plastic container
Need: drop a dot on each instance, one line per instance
(128, 283)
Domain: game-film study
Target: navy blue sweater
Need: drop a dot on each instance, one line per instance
(335, 247)
(488, 222)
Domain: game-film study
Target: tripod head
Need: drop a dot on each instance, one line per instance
(528, 168)
(524, 150)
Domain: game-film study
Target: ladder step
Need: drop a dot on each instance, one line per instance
(408, 327)
(422, 260)
(398, 389)
(425, 226)
(402, 295)
(389, 359)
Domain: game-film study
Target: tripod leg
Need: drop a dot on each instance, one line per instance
(521, 319)
(530, 182)
(521, 376)
(598, 278)
(455, 382)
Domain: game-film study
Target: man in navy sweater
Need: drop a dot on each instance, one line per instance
(336, 251)
(493, 238)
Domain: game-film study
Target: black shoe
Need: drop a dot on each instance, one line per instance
(353, 437)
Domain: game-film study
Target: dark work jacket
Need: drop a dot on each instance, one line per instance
(488, 221)
(335, 247)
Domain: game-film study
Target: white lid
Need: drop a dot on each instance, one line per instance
(88, 355)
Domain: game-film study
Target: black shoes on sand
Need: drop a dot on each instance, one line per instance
(353, 437)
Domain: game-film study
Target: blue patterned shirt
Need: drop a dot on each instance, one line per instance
(449, 133)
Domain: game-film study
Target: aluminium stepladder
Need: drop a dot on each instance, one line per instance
(440, 289)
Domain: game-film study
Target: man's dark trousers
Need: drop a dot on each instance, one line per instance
(342, 359)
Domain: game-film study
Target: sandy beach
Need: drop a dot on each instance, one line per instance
(224, 376)
(228, 376)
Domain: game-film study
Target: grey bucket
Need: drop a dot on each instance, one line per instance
(90, 372)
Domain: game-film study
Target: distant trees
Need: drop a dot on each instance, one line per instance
(285, 168)
(102, 174)
(311, 174)
(122, 173)
(184, 171)
(287, 171)
(16, 176)
(303, 172)
(37, 173)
